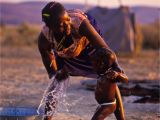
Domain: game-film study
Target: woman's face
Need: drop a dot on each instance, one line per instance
(63, 24)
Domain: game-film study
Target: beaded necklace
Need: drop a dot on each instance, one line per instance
(60, 44)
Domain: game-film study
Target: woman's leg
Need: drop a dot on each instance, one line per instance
(47, 118)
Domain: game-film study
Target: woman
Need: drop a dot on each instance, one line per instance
(71, 45)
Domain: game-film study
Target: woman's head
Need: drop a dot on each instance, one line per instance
(56, 18)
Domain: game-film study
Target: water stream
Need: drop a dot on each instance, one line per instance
(53, 96)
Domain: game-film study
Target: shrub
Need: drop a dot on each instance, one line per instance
(151, 35)
(23, 34)
(138, 39)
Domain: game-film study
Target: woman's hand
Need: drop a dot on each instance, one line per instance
(61, 75)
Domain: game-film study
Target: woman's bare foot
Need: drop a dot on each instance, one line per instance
(47, 118)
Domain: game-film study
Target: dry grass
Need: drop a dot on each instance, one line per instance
(147, 36)
(151, 35)
(21, 35)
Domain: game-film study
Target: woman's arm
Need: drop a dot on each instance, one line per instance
(44, 49)
(86, 29)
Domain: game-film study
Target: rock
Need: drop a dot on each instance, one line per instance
(148, 99)
(89, 84)
(148, 90)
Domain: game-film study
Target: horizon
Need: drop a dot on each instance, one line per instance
(114, 3)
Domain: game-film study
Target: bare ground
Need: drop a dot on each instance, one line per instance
(24, 79)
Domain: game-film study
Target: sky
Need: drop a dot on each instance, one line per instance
(154, 3)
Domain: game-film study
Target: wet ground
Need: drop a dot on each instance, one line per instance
(24, 79)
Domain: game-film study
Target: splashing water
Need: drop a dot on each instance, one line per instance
(54, 96)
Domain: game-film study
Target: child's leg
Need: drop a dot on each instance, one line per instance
(105, 96)
(103, 111)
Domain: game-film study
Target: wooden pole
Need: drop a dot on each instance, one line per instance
(86, 4)
(98, 2)
(120, 2)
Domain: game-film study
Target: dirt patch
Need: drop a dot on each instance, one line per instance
(24, 79)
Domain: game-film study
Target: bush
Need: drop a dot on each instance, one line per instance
(147, 36)
(138, 39)
(23, 34)
(151, 35)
